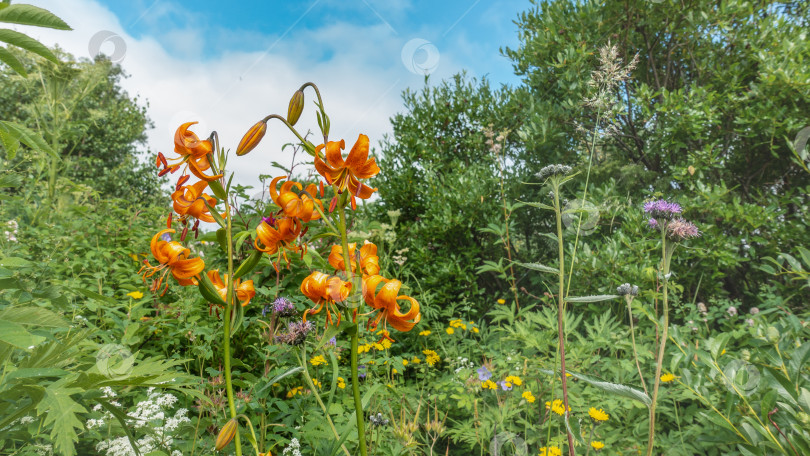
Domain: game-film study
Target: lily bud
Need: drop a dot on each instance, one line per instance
(226, 434)
(296, 107)
(252, 138)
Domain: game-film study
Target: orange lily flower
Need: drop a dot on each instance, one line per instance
(369, 261)
(386, 301)
(172, 256)
(346, 173)
(188, 201)
(324, 291)
(271, 235)
(192, 152)
(244, 290)
(302, 207)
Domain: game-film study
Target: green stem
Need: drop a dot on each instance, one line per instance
(311, 384)
(358, 405)
(227, 326)
(629, 300)
(663, 343)
(561, 313)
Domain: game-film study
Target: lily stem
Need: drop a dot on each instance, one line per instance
(227, 326)
(358, 405)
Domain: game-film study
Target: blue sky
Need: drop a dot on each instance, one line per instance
(470, 31)
(228, 66)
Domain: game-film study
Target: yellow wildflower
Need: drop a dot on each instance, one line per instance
(425, 333)
(431, 357)
(318, 360)
(515, 380)
(528, 396)
(341, 383)
(416, 360)
(597, 445)
(489, 384)
(404, 362)
(598, 415)
(666, 378)
(550, 451)
(450, 330)
(557, 407)
(135, 295)
(503, 301)
(475, 330)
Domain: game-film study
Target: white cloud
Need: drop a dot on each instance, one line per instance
(360, 80)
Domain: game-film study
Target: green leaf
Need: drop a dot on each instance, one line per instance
(11, 60)
(595, 298)
(31, 15)
(613, 388)
(218, 218)
(573, 427)
(323, 235)
(96, 296)
(61, 412)
(26, 42)
(16, 335)
(208, 291)
(216, 187)
(15, 263)
(538, 205)
(123, 419)
(10, 180)
(281, 377)
(33, 316)
(28, 137)
(248, 265)
(538, 267)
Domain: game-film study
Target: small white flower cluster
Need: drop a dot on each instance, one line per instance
(293, 449)
(146, 413)
(399, 257)
(43, 450)
(463, 363)
(11, 231)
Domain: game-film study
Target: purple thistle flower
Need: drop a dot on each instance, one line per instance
(680, 229)
(484, 374)
(282, 307)
(332, 342)
(653, 224)
(296, 333)
(662, 209)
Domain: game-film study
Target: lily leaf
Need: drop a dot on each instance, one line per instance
(595, 298)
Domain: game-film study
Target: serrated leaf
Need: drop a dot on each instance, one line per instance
(31, 15)
(29, 137)
(538, 267)
(11, 60)
(33, 316)
(594, 298)
(15, 262)
(16, 335)
(61, 412)
(24, 41)
(10, 180)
